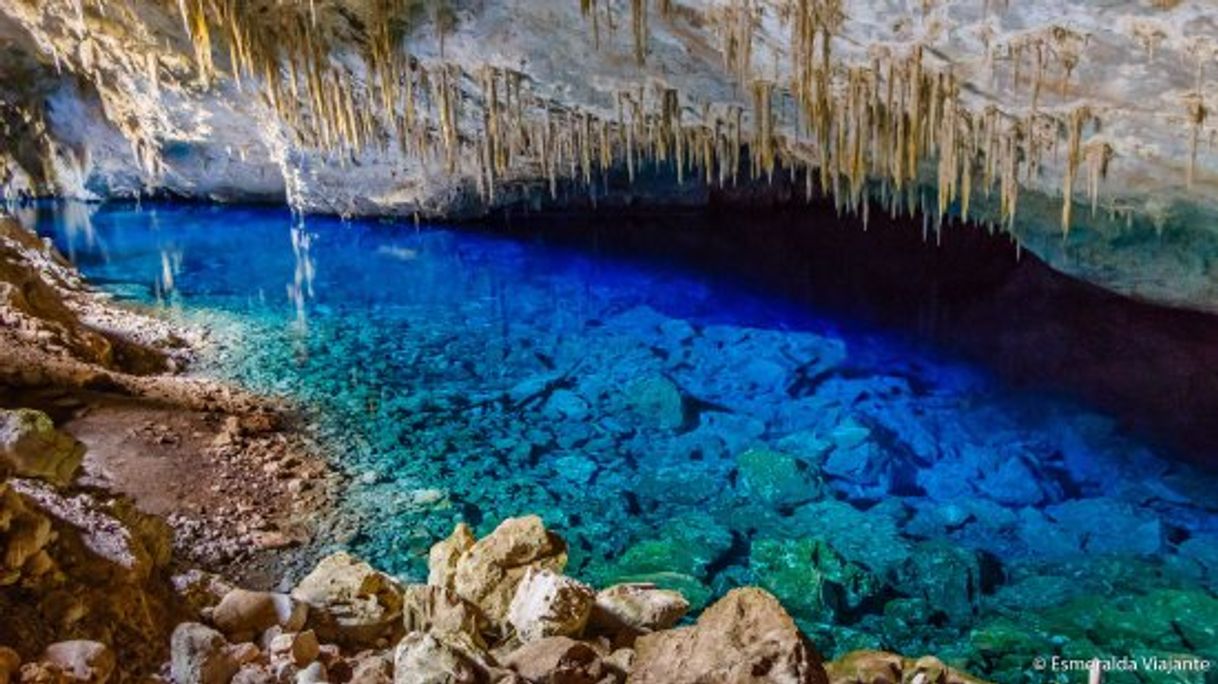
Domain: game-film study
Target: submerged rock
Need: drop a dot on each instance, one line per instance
(744, 637)
(657, 400)
(812, 578)
(776, 478)
(947, 576)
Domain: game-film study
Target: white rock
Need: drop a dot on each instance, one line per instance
(548, 604)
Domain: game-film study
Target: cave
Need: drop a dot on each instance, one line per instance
(609, 341)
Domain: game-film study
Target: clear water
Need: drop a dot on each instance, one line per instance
(680, 428)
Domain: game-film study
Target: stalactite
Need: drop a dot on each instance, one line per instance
(638, 27)
(763, 145)
(1099, 154)
(1197, 114)
(1078, 118)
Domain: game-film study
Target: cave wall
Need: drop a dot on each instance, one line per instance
(1032, 101)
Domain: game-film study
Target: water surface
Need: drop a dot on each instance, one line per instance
(683, 427)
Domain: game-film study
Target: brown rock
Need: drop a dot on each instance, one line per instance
(242, 614)
(43, 673)
(24, 536)
(350, 603)
(744, 638)
(253, 673)
(488, 573)
(866, 667)
(298, 648)
(548, 604)
(442, 559)
(10, 665)
(372, 667)
(637, 609)
(424, 659)
(557, 659)
(30, 446)
(879, 667)
(200, 655)
(428, 608)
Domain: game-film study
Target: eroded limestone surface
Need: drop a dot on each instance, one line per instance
(981, 108)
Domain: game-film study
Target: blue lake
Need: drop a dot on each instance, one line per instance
(679, 426)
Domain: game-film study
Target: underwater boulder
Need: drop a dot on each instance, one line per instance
(657, 401)
(1108, 526)
(947, 576)
(777, 479)
(744, 637)
(686, 545)
(1013, 483)
(811, 578)
(869, 537)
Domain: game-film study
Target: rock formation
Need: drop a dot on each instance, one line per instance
(1092, 123)
(354, 624)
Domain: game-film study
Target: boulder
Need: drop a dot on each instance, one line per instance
(371, 667)
(812, 578)
(314, 673)
(639, 608)
(30, 446)
(1013, 483)
(557, 659)
(200, 655)
(879, 667)
(489, 571)
(10, 665)
(442, 559)
(745, 637)
(1108, 526)
(434, 609)
(253, 673)
(24, 536)
(657, 401)
(297, 648)
(947, 576)
(422, 658)
(548, 604)
(349, 603)
(243, 614)
(777, 479)
(82, 661)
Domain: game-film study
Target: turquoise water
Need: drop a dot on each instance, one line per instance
(684, 428)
